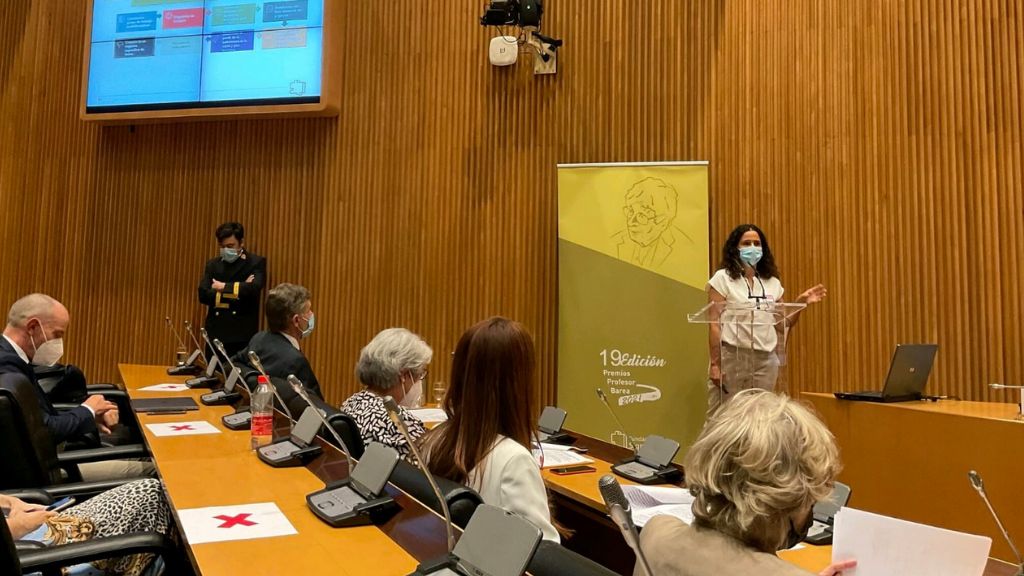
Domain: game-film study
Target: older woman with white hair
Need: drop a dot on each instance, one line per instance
(756, 470)
(393, 364)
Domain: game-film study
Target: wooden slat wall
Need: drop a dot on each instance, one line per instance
(877, 142)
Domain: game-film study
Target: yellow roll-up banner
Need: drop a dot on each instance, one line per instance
(632, 262)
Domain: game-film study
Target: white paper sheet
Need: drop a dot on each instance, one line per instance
(646, 502)
(429, 414)
(549, 447)
(165, 387)
(241, 522)
(559, 458)
(885, 546)
(183, 428)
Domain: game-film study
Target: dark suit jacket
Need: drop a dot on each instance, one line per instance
(233, 315)
(279, 359)
(63, 425)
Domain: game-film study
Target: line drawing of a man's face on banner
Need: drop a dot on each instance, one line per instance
(650, 207)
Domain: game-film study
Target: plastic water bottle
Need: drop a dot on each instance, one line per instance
(262, 407)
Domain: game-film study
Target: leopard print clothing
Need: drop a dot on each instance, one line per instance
(133, 507)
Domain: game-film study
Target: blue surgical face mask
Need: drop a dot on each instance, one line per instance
(310, 322)
(229, 255)
(751, 255)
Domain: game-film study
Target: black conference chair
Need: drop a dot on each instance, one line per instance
(553, 559)
(343, 424)
(66, 388)
(462, 500)
(28, 455)
(347, 428)
(296, 405)
(32, 557)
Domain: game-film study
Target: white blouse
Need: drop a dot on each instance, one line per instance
(511, 480)
(759, 333)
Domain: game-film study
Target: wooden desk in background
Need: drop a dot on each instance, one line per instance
(910, 460)
(220, 470)
(579, 506)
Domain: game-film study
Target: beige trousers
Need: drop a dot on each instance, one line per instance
(742, 368)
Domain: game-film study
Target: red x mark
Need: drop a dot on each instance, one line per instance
(231, 521)
(182, 427)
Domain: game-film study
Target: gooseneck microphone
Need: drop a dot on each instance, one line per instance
(255, 360)
(618, 509)
(219, 346)
(396, 417)
(300, 389)
(1020, 414)
(175, 332)
(188, 329)
(979, 487)
(604, 400)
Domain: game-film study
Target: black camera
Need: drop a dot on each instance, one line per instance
(513, 13)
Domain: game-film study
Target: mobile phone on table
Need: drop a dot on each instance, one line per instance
(62, 504)
(573, 470)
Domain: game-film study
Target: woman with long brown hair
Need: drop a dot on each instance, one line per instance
(485, 443)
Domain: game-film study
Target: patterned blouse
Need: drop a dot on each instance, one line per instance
(367, 409)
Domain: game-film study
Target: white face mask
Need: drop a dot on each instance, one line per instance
(414, 395)
(49, 352)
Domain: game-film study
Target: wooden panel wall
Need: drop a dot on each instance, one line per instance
(877, 142)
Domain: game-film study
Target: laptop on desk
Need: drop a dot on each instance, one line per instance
(908, 373)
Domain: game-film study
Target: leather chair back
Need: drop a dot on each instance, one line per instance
(462, 500)
(27, 452)
(347, 428)
(9, 563)
(552, 559)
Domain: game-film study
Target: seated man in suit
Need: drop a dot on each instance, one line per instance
(289, 320)
(35, 335)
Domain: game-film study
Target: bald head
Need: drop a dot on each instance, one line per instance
(35, 318)
(38, 306)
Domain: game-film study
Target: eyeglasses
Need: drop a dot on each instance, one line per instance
(642, 216)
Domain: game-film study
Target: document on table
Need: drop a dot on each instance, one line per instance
(429, 414)
(646, 502)
(165, 387)
(559, 458)
(885, 546)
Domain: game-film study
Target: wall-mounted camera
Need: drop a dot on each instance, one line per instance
(525, 14)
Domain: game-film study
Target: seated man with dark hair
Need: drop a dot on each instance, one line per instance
(289, 320)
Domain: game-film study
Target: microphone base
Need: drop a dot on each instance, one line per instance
(241, 419)
(202, 382)
(186, 370)
(376, 511)
(448, 564)
(560, 438)
(219, 398)
(633, 470)
(288, 460)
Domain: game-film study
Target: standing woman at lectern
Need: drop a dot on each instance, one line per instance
(748, 356)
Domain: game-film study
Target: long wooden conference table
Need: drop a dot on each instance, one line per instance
(580, 507)
(220, 470)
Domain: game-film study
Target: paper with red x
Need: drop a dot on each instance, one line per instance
(182, 428)
(165, 387)
(241, 522)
